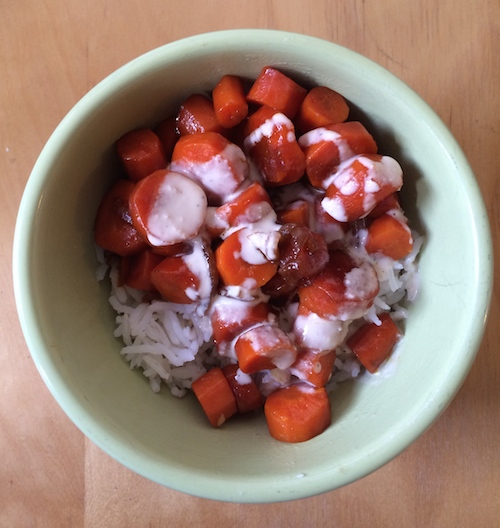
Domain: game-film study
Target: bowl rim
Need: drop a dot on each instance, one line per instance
(27, 311)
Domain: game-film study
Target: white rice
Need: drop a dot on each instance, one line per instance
(172, 343)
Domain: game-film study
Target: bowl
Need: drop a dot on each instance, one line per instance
(68, 323)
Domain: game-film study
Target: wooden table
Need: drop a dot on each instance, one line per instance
(51, 54)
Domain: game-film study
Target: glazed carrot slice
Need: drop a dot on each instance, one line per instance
(168, 134)
(229, 101)
(297, 413)
(361, 185)
(188, 278)
(342, 290)
(272, 145)
(390, 236)
(326, 147)
(167, 208)
(113, 230)
(321, 106)
(231, 317)
(275, 89)
(330, 229)
(297, 212)
(141, 153)
(240, 262)
(196, 114)
(135, 270)
(246, 393)
(373, 343)
(387, 204)
(264, 347)
(215, 163)
(215, 396)
(314, 366)
(249, 205)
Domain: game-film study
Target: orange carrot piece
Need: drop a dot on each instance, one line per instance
(386, 205)
(215, 396)
(113, 230)
(361, 185)
(196, 114)
(321, 106)
(172, 278)
(234, 270)
(271, 143)
(331, 145)
(215, 163)
(231, 317)
(229, 101)
(275, 89)
(135, 270)
(246, 393)
(141, 153)
(264, 347)
(389, 236)
(314, 366)
(297, 212)
(372, 344)
(327, 294)
(247, 206)
(297, 413)
(168, 134)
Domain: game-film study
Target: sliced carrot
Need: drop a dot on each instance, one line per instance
(275, 89)
(168, 134)
(272, 145)
(361, 185)
(231, 317)
(342, 289)
(297, 212)
(249, 205)
(215, 163)
(386, 205)
(135, 270)
(240, 262)
(229, 101)
(215, 396)
(141, 153)
(246, 393)
(113, 229)
(188, 278)
(196, 114)
(167, 208)
(264, 347)
(297, 413)
(389, 236)
(330, 229)
(321, 106)
(326, 147)
(314, 366)
(373, 343)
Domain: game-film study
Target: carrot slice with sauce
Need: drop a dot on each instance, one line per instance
(264, 347)
(297, 413)
(215, 396)
(389, 236)
(135, 270)
(314, 366)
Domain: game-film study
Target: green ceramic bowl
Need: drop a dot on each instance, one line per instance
(68, 323)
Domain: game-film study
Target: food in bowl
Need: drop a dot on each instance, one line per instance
(258, 251)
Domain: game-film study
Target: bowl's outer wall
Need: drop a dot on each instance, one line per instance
(68, 323)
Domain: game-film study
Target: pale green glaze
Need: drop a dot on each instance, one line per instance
(68, 324)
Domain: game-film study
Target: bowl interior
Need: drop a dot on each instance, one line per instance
(69, 325)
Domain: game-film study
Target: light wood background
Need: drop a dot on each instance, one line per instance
(51, 53)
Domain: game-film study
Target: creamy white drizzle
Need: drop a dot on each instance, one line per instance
(178, 212)
(267, 129)
(313, 331)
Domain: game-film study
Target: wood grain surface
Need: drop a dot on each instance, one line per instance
(51, 53)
